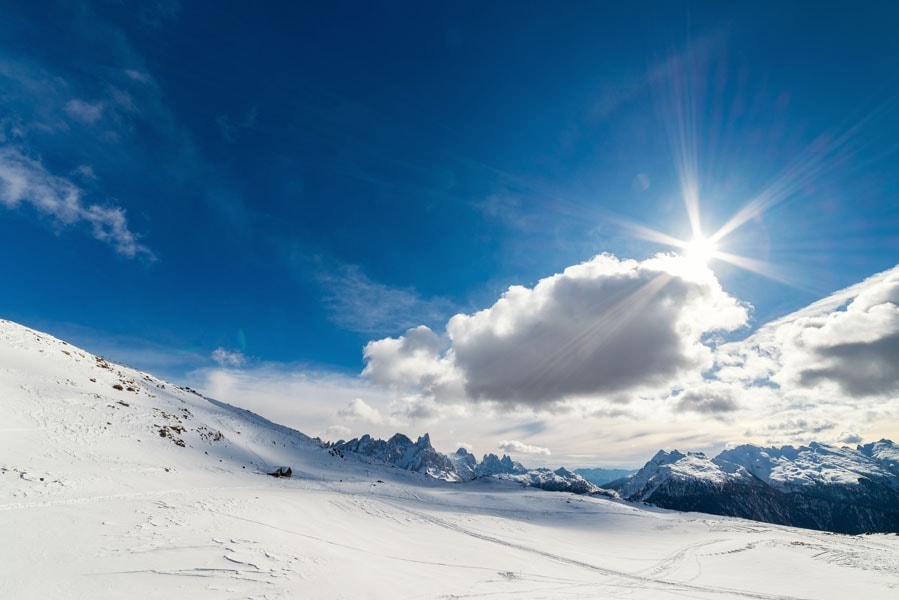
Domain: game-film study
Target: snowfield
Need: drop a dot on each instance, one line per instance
(116, 484)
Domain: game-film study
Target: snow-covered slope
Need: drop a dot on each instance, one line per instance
(157, 492)
(819, 486)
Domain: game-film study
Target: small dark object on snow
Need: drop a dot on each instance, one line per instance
(282, 472)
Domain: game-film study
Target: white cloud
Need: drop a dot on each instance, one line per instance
(410, 361)
(601, 328)
(521, 448)
(359, 410)
(25, 181)
(338, 432)
(228, 358)
(824, 373)
(846, 345)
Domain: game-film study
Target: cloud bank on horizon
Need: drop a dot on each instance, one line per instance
(612, 358)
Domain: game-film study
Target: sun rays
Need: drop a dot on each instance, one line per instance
(704, 143)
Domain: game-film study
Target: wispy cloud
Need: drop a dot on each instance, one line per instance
(88, 112)
(139, 76)
(52, 124)
(24, 180)
(358, 303)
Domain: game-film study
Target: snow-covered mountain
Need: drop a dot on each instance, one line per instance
(460, 466)
(117, 484)
(400, 451)
(817, 486)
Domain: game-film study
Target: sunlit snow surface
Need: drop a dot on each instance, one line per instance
(99, 500)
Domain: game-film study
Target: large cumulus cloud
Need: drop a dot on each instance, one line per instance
(606, 327)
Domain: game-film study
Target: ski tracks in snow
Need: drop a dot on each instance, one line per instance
(617, 579)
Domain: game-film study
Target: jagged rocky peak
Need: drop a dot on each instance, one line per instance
(401, 451)
(491, 464)
(666, 458)
(465, 463)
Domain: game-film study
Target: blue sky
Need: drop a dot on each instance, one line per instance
(369, 217)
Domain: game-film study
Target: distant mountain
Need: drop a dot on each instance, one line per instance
(402, 452)
(817, 486)
(420, 456)
(600, 477)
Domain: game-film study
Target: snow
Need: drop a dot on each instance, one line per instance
(791, 467)
(99, 500)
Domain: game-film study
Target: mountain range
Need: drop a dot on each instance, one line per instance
(460, 466)
(818, 486)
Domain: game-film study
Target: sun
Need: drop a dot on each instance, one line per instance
(700, 250)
